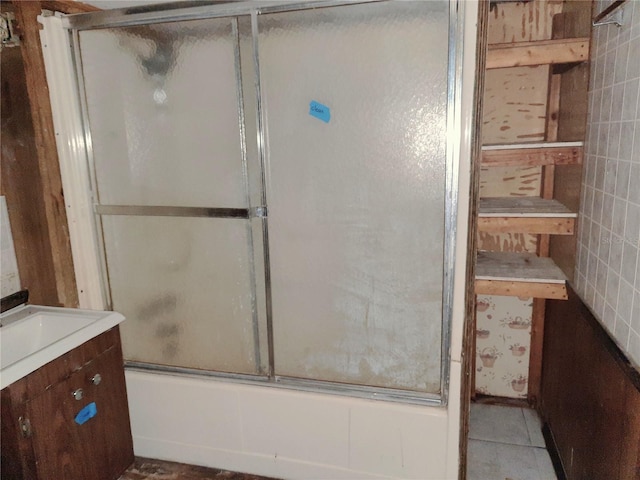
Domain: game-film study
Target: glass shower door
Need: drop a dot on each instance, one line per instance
(273, 189)
(355, 109)
(165, 112)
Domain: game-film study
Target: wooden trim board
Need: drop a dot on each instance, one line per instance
(546, 52)
(556, 291)
(516, 146)
(518, 267)
(533, 225)
(523, 207)
(56, 226)
(570, 153)
(519, 274)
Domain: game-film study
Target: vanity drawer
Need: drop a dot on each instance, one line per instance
(62, 367)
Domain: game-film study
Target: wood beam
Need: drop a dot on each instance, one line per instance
(521, 289)
(532, 156)
(68, 6)
(546, 52)
(534, 225)
(49, 169)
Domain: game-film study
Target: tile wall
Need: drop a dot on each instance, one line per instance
(607, 272)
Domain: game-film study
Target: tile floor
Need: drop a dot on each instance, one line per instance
(506, 443)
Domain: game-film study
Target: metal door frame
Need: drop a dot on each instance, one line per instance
(178, 11)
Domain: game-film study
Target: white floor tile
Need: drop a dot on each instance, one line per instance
(506, 443)
(482, 460)
(499, 461)
(545, 467)
(498, 424)
(534, 427)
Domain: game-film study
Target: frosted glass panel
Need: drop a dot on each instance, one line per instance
(356, 204)
(163, 111)
(184, 285)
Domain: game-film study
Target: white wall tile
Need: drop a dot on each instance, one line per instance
(630, 102)
(625, 300)
(630, 262)
(609, 237)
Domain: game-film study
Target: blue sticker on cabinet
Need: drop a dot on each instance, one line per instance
(87, 413)
(320, 111)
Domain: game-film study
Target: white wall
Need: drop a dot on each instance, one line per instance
(9, 279)
(607, 272)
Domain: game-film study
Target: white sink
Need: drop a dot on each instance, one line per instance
(32, 336)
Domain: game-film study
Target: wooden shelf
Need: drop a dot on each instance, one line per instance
(519, 274)
(530, 154)
(545, 52)
(525, 215)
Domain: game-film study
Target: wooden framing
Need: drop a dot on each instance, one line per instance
(535, 225)
(521, 289)
(525, 215)
(469, 338)
(548, 188)
(546, 52)
(519, 274)
(31, 173)
(555, 154)
(22, 183)
(67, 6)
(560, 155)
(523, 267)
(58, 251)
(523, 207)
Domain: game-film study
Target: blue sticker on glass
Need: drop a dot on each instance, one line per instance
(87, 413)
(320, 111)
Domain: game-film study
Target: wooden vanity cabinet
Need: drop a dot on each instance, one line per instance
(40, 436)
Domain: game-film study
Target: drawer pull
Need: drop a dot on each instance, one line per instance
(78, 394)
(96, 379)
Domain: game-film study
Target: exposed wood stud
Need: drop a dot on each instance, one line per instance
(523, 207)
(545, 52)
(521, 289)
(536, 349)
(534, 155)
(548, 187)
(525, 267)
(540, 225)
(519, 274)
(54, 209)
(469, 338)
(67, 6)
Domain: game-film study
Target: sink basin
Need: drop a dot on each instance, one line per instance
(32, 335)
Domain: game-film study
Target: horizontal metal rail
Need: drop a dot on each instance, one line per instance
(172, 211)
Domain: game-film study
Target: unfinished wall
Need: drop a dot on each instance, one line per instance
(515, 105)
(30, 175)
(607, 275)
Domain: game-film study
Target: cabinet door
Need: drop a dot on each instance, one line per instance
(99, 449)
